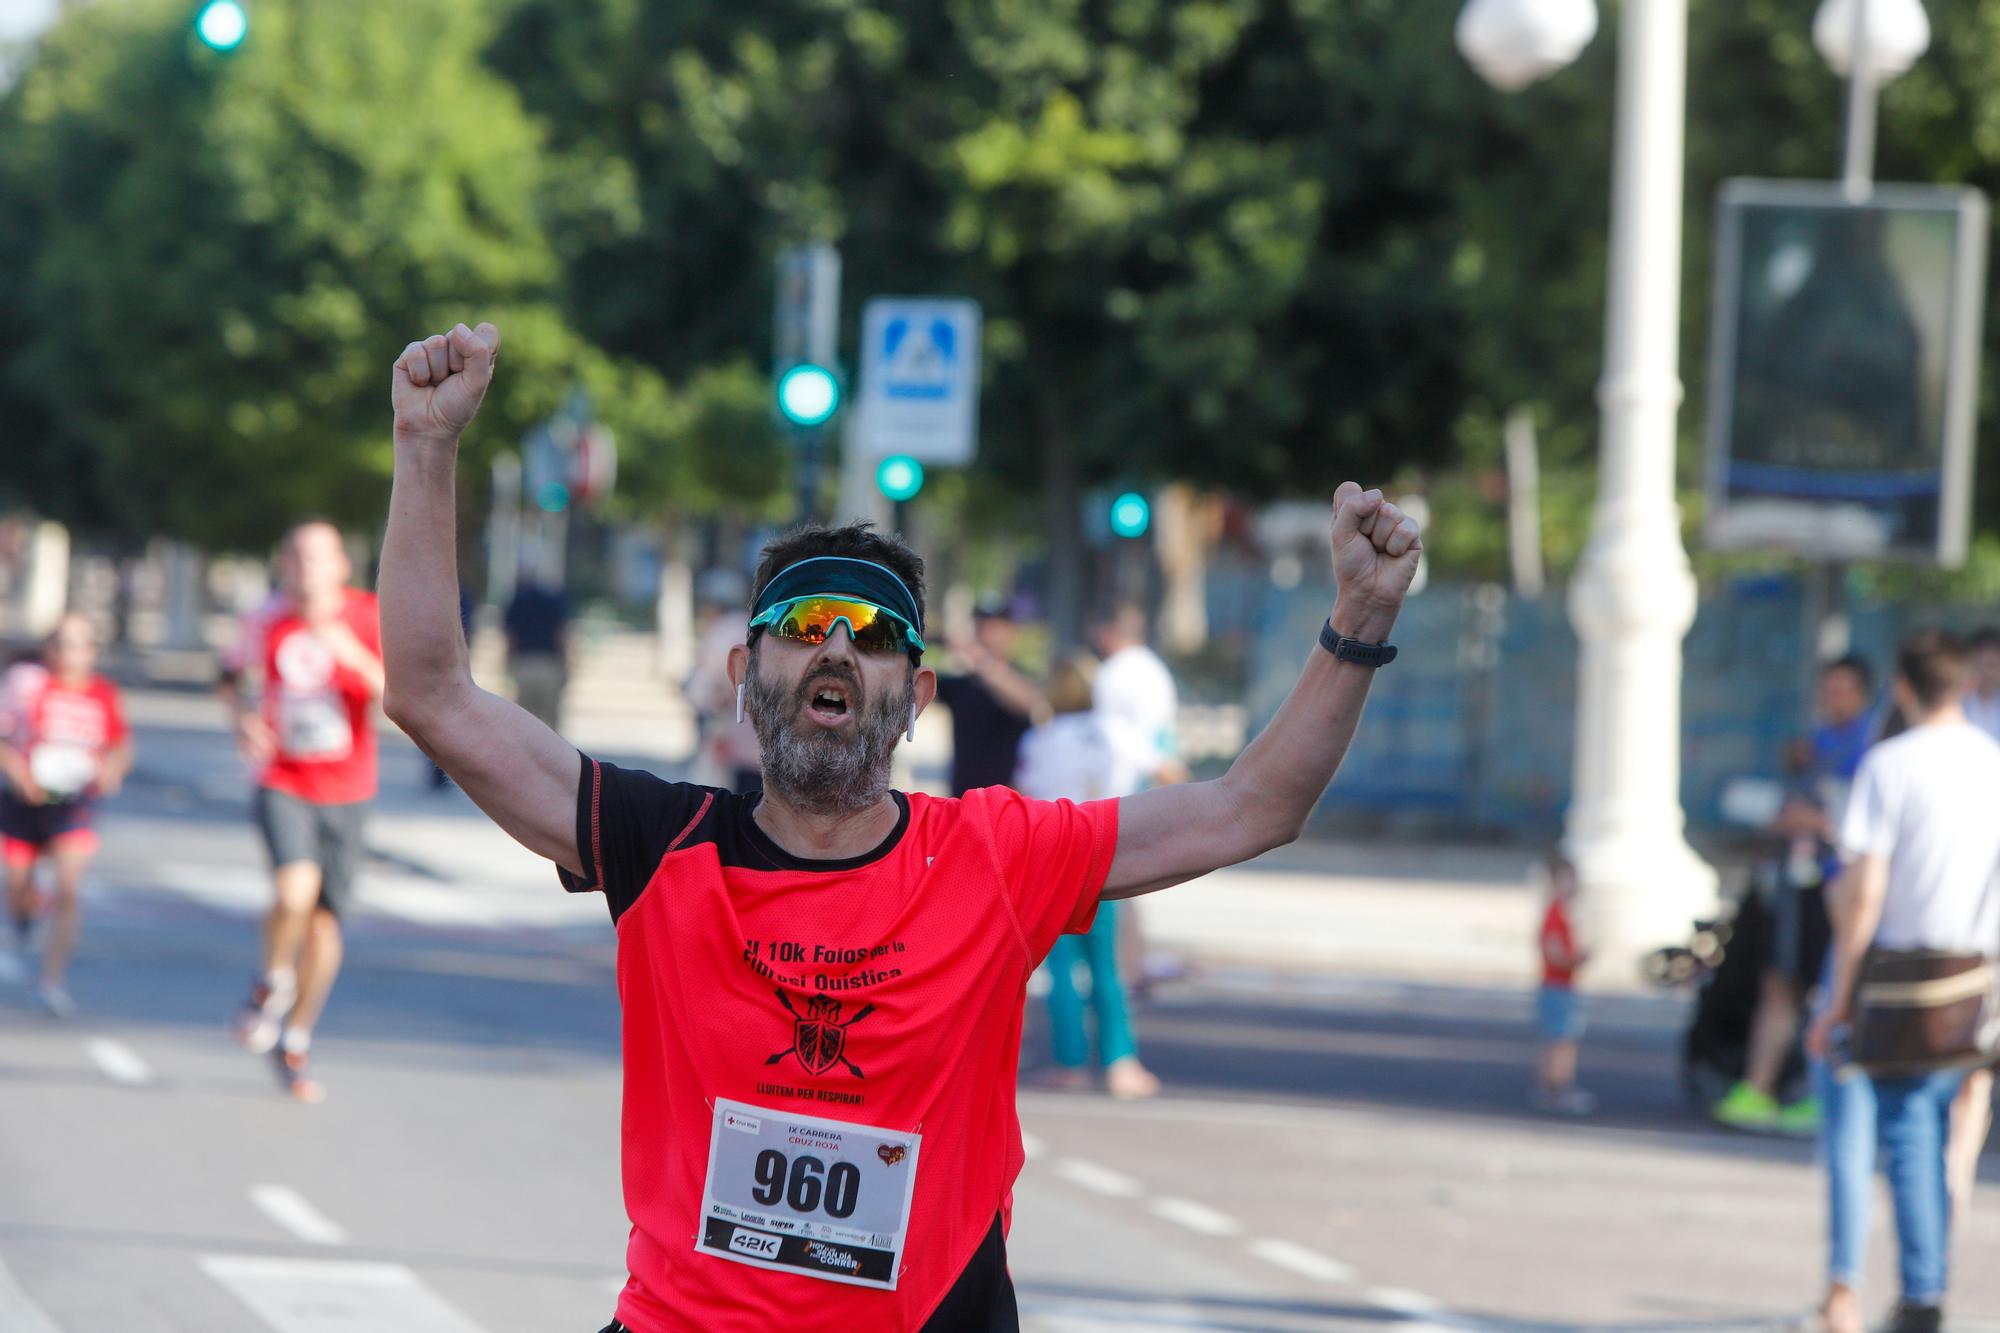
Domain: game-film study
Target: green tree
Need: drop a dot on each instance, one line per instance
(223, 253)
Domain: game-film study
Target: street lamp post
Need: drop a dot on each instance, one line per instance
(1633, 597)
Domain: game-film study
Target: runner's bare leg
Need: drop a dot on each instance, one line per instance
(20, 890)
(290, 918)
(63, 922)
(319, 964)
(1971, 1118)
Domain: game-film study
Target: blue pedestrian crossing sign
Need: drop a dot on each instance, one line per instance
(919, 379)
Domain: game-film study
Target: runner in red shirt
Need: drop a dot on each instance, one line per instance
(823, 983)
(63, 745)
(317, 649)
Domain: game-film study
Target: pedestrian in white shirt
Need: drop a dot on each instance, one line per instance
(1082, 754)
(1132, 683)
(1922, 848)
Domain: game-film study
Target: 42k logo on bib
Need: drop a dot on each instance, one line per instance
(819, 1038)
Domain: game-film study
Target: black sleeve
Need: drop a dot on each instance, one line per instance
(626, 822)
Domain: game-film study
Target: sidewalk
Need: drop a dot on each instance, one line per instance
(1458, 915)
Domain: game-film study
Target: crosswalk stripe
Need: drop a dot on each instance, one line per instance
(1098, 1179)
(118, 1062)
(1300, 1260)
(1196, 1217)
(289, 1209)
(18, 1314)
(327, 1296)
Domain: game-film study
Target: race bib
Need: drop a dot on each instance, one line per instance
(314, 725)
(807, 1195)
(63, 771)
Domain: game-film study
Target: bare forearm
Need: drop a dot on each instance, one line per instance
(118, 760)
(1014, 691)
(423, 649)
(233, 699)
(1284, 772)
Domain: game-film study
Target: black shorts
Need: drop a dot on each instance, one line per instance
(40, 825)
(329, 836)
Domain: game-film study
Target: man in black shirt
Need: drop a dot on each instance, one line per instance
(537, 623)
(992, 704)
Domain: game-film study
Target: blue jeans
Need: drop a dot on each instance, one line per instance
(1908, 1118)
(1099, 949)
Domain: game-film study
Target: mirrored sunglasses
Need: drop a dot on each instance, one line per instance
(811, 619)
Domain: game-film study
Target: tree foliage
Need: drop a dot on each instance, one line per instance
(1263, 244)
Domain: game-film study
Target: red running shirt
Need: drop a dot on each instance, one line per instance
(40, 715)
(923, 946)
(320, 710)
(1558, 946)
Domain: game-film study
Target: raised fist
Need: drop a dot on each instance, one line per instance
(437, 383)
(1375, 551)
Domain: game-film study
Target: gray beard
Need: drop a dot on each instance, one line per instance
(817, 771)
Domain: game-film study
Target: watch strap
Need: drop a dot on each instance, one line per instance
(1354, 650)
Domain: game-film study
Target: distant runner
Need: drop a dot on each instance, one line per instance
(63, 746)
(823, 983)
(317, 648)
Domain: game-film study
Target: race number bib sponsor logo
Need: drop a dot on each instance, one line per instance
(312, 717)
(63, 771)
(804, 1194)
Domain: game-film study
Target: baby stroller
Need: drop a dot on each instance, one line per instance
(1766, 923)
(1724, 961)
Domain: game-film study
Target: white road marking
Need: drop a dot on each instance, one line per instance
(1197, 1217)
(289, 1209)
(118, 1062)
(322, 1296)
(18, 1314)
(1414, 1304)
(1032, 1147)
(1098, 1179)
(1300, 1260)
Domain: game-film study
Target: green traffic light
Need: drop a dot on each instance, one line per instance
(1131, 515)
(808, 395)
(900, 477)
(222, 24)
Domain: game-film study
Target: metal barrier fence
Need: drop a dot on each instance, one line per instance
(1472, 728)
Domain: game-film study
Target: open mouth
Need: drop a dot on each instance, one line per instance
(829, 705)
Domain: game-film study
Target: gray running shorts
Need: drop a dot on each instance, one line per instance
(329, 836)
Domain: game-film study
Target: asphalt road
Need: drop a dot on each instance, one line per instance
(1332, 1153)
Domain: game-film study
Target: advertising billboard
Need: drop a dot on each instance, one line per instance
(1843, 364)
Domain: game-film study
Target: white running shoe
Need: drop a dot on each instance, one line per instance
(262, 1017)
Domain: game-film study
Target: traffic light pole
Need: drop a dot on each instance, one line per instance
(805, 444)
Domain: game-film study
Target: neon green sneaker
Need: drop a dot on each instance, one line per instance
(1747, 1108)
(1800, 1119)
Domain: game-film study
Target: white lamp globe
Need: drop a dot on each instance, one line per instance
(1512, 43)
(1898, 32)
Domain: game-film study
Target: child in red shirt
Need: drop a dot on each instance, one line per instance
(1558, 1016)
(63, 744)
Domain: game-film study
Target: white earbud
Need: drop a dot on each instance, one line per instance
(739, 700)
(913, 720)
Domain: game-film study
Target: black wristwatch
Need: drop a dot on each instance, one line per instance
(1354, 650)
